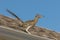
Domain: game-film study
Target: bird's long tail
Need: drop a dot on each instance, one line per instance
(14, 15)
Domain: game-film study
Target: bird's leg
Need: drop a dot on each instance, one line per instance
(27, 29)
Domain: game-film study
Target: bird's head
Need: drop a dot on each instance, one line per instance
(38, 16)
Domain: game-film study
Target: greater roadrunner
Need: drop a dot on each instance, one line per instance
(29, 23)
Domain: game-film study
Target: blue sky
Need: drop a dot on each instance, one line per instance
(27, 9)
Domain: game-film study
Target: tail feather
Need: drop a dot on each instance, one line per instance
(14, 15)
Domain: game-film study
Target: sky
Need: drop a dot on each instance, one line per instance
(27, 9)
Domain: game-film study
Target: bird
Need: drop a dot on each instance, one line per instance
(29, 23)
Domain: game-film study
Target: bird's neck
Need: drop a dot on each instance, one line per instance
(36, 20)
